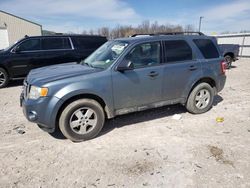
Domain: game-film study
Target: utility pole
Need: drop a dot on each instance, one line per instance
(200, 23)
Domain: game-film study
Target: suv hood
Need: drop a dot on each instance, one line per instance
(57, 72)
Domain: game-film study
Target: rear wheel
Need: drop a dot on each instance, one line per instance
(200, 99)
(229, 61)
(4, 78)
(82, 120)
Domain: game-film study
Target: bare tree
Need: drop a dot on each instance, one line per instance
(189, 28)
(144, 28)
(91, 32)
(104, 31)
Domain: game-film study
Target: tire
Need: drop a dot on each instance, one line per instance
(4, 78)
(82, 120)
(229, 61)
(200, 99)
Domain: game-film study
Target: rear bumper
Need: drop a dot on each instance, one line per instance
(41, 111)
(221, 82)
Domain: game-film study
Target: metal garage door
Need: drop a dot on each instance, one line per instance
(4, 40)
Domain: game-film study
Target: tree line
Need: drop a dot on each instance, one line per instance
(144, 28)
(127, 30)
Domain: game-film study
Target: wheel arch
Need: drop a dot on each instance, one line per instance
(231, 54)
(3, 67)
(208, 80)
(105, 107)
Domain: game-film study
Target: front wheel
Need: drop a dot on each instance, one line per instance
(4, 78)
(200, 99)
(82, 120)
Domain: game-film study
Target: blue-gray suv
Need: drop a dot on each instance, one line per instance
(123, 76)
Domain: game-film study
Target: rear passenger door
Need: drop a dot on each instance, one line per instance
(181, 69)
(53, 51)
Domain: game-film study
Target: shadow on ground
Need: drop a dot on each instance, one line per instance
(138, 117)
(15, 83)
(232, 67)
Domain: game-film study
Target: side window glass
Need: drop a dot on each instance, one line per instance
(66, 43)
(143, 55)
(55, 43)
(207, 48)
(87, 43)
(177, 50)
(30, 45)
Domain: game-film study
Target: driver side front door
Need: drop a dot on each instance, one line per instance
(139, 88)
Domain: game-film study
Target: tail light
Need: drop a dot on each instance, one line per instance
(223, 65)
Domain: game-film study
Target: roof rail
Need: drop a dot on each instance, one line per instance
(169, 33)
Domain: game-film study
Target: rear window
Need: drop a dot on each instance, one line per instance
(88, 43)
(177, 50)
(55, 43)
(207, 48)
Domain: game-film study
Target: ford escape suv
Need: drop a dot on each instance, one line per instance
(37, 51)
(123, 76)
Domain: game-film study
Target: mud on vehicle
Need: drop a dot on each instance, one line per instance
(124, 76)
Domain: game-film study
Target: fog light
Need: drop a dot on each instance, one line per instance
(32, 116)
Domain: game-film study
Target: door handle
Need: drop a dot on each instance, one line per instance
(153, 74)
(192, 67)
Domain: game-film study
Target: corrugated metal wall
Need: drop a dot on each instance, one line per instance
(18, 27)
(242, 39)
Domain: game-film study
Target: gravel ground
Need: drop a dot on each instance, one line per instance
(145, 149)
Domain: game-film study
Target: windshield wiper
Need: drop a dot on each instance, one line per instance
(89, 65)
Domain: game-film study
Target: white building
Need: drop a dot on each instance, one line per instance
(13, 28)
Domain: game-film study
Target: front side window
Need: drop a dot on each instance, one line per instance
(105, 55)
(55, 43)
(177, 50)
(30, 45)
(143, 55)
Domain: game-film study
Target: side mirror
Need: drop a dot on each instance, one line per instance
(16, 49)
(125, 65)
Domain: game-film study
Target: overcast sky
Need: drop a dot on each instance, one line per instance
(77, 15)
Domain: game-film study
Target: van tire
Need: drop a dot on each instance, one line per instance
(4, 78)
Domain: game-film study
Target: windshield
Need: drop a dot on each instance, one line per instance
(7, 48)
(104, 56)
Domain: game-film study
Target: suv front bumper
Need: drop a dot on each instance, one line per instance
(41, 111)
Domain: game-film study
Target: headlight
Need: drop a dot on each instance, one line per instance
(36, 92)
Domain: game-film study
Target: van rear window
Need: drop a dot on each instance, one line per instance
(207, 48)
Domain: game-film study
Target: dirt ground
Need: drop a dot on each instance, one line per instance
(146, 149)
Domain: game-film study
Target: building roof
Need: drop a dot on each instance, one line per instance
(20, 18)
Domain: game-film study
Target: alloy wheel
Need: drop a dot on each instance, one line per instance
(202, 99)
(83, 120)
(2, 78)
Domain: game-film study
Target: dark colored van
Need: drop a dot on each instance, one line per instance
(38, 51)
